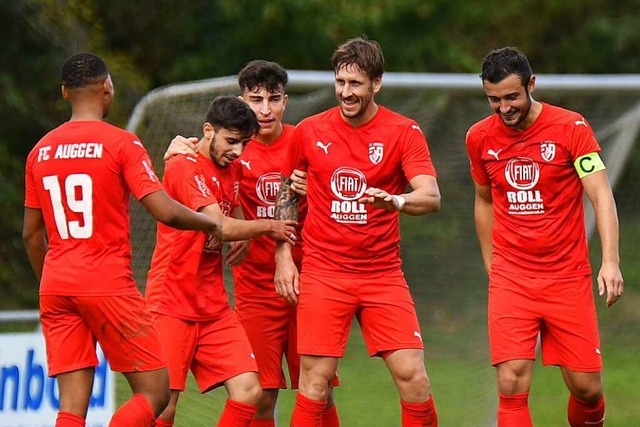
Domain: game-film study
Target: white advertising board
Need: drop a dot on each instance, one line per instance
(29, 398)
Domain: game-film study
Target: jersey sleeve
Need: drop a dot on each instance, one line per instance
(295, 157)
(31, 199)
(416, 159)
(186, 182)
(138, 169)
(478, 172)
(583, 140)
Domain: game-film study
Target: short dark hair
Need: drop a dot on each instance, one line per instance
(361, 52)
(260, 73)
(83, 69)
(230, 112)
(500, 63)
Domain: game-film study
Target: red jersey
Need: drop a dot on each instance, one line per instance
(344, 237)
(259, 186)
(81, 176)
(186, 278)
(538, 225)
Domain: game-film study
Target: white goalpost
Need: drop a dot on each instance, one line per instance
(441, 257)
(440, 254)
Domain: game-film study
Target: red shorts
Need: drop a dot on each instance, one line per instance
(270, 324)
(215, 350)
(121, 324)
(383, 306)
(562, 311)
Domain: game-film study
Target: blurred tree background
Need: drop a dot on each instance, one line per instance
(151, 43)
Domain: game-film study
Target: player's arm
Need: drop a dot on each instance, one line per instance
(286, 275)
(483, 214)
(598, 191)
(173, 214)
(238, 250)
(34, 238)
(236, 229)
(423, 199)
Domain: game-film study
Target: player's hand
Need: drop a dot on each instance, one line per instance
(181, 145)
(299, 182)
(238, 251)
(286, 277)
(379, 199)
(283, 230)
(610, 280)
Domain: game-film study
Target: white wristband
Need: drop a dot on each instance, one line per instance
(400, 201)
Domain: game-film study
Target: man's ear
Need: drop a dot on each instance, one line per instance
(532, 83)
(65, 92)
(377, 84)
(208, 130)
(107, 86)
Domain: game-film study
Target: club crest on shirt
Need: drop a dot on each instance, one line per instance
(548, 150)
(225, 207)
(376, 152)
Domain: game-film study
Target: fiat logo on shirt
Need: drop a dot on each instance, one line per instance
(348, 183)
(267, 188)
(522, 173)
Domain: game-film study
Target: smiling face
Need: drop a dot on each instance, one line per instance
(511, 100)
(269, 108)
(355, 92)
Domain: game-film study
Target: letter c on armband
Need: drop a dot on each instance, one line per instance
(588, 164)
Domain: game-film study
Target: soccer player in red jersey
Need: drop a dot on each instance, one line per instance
(360, 158)
(531, 162)
(270, 321)
(79, 178)
(185, 287)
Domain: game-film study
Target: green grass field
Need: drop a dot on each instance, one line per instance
(462, 381)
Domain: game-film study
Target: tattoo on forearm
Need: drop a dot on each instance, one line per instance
(287, 203)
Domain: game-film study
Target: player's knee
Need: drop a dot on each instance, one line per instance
(513, 379)
(246, 392)
(587, 392)
(414, 386)
(317, 388)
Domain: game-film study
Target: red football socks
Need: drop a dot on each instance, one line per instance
(262, 422)
(67, 419)
(421, 414)
(237, 414)
(136, 412)
(307, 412)
(513, 411)
(581, 413)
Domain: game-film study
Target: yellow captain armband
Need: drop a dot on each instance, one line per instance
(588, 164)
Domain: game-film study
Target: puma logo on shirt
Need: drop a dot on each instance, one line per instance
(325, 148)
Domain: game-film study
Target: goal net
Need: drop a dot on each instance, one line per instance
(441, 257)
